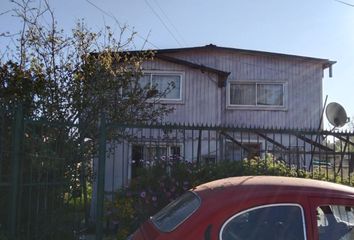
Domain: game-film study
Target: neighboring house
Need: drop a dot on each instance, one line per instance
(224, 87)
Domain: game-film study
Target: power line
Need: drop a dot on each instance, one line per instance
(6, 12)
(104, 12)
(345, 3)
(163, 23)
(125, 26)
(171, 23)
(239, 61)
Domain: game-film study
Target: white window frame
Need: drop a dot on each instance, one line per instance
(178, 73)
(283, 107)
(166, 145)
(265, 206)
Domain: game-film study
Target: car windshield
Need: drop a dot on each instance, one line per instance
(176, 212)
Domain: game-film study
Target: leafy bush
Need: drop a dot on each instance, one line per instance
(164, 181)
(3, 235)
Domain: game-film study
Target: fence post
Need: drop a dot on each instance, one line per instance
(101, 177)
(199, 150)
(17, 135)
(83, 173)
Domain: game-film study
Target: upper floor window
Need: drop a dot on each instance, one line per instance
(255, 94)
(168, 85)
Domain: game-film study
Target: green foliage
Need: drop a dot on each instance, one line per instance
(19, 85)
(163, 182)
(64, 81)
(73, 77)
(3, 236)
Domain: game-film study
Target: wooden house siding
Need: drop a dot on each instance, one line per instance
(204, 102)
(200, 94)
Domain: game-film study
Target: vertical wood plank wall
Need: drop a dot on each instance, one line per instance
(204, 102)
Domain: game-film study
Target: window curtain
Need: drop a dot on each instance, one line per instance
(243, 94)
(270, 94)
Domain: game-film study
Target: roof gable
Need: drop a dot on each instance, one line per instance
(326, 63)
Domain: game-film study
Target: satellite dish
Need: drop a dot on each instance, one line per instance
(336, 114)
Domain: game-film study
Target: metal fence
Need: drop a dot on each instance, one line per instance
(44, 186)
(322, 154)
(53, 185)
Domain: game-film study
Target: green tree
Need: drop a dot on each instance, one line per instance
(73, 77)
(69, 78)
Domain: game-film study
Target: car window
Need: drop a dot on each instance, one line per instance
(270, 222)
(335, 222)
(176, 212)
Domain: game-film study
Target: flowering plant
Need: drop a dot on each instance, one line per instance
(163, 181)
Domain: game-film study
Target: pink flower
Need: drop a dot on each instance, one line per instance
(143, 194)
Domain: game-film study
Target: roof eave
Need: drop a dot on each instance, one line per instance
(222, 75)
(326, 62)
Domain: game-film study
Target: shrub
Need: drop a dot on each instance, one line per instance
(164, 181)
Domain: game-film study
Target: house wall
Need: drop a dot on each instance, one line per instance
(213, 145)
(304, 90)
(203, 102)
(201, 97)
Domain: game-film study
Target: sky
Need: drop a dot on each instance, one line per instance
(314, 28)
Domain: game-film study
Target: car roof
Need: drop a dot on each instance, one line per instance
(263, 185)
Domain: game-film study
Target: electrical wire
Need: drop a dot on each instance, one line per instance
(171, 23)
(120, 25)
(163, 23)
(239, 61)
(345, 3)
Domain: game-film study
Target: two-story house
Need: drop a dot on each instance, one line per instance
(219, 86)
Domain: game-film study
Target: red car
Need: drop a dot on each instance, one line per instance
(256, 208)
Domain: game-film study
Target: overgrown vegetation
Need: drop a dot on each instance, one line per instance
(163, 182)
(62, 82)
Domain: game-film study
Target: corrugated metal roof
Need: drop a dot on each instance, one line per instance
(326, 62)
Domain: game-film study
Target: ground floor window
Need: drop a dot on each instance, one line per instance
(147, 154)
(249, 150)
